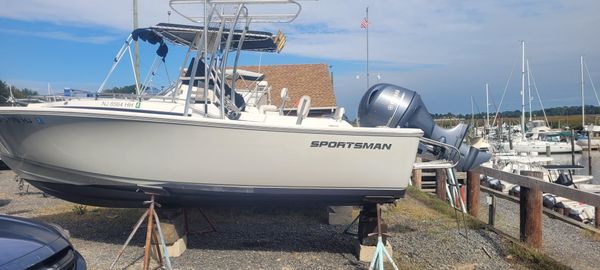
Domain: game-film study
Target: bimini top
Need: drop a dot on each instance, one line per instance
(253, 40)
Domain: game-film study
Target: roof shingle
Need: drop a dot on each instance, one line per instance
(313, 80)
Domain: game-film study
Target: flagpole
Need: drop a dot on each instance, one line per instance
(368, 85)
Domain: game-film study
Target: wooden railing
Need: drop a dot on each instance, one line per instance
(530, 200)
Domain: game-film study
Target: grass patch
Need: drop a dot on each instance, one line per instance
(532, 258)
(79, 209)
(591, 235)
(443, 208)
(415, 209)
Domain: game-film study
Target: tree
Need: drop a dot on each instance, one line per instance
(17, 93)
(128, 89)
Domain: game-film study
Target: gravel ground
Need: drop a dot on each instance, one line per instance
(570, 245)
(422, 238)
(266, 238)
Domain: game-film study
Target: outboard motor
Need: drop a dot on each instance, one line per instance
(550, 200)
(393, 106)
(564, 179)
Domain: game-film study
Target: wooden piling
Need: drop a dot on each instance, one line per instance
(589, 144)
(531, 216)
(440, 186)
(492, 211)
(531, 203)
(417, 175)
(572, 147)
(597, 217)
(473, 186)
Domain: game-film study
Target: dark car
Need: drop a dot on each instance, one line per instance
(28, 244)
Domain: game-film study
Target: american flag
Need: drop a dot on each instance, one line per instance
(364, 23)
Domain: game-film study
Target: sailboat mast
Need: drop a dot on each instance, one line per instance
(529, 88)
(582, 96)
(472, 113)
(523, 88)
(487, 106)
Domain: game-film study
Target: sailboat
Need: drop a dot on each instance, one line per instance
(195, 143)
(540, 138)
(477, 137)
(591, 138)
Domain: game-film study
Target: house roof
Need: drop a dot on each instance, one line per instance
(313, 80)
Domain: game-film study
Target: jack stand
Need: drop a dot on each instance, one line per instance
(150, 235)
(347, 230)
(211, 225)
(380, 252)
(456, 201)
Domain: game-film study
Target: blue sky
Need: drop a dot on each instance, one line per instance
(445, 50)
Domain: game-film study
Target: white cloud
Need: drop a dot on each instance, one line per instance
(413, 31)
(59, 35)
(441, 48)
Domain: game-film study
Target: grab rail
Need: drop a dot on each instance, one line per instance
(454, 158)
(182, 7)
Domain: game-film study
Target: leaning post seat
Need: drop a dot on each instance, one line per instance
(239, 100)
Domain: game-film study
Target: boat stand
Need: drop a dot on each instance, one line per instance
(456, 201)
(452, 190)
(151, 235)
(381, 253)
(24, 187)
(211, 225)
(347, 230)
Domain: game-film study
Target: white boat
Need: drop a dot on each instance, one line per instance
(537, 146)
(513, 162)
(184, 145)
(584, 142)
(481, 143)
(579, 211)
(84, 153)
(540, 138)
(536, 138)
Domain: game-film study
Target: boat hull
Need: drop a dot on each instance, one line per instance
(594, 143)
(109, 159)
(541, 147)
